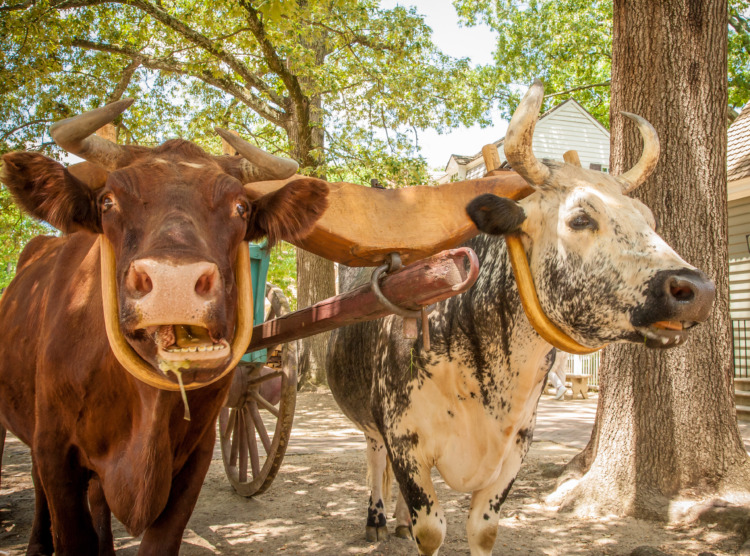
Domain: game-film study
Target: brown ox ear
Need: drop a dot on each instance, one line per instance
(288, 213)
(47, 191)
(495, 215)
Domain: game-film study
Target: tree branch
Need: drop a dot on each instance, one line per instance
(209, 45)
(223, 83)
(581, 88)
(127, 75)
(20, 127)
(275, 63)
(16, 7)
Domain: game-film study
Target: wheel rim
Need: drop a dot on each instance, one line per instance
(254, 433)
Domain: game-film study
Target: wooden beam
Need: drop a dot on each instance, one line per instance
(571, 157)
(491, 157)
(363, 224)
(420, 284)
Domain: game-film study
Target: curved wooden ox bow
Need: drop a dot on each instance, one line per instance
(363, 225)
(133, 362)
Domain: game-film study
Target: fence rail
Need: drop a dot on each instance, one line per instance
(585, 365)
(741, 347)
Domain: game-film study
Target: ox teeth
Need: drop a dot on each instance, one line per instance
(665, 340)
(175, 349)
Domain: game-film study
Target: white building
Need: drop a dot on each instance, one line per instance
(738, 188)
(567, 126)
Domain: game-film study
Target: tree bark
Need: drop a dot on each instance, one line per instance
(666, 424)
(315, 275)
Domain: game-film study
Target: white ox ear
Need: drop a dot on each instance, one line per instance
(495, 215)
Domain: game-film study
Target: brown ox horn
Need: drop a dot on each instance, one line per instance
(258, 165)
(518, 139)
(76, 135)
(650, 156)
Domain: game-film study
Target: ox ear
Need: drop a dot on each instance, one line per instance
(495, 215)
(288, 213)
(47, 191)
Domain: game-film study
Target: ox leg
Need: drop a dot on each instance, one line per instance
(428, 521)
(40, 540)
(403, 521)
(164, 537)
(102, 517)
(484, 514)
(65, 484)
(379, 478)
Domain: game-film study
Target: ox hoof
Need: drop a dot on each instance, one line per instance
(374, 534)
(404, 532)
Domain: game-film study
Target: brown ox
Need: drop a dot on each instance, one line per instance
(101, 440)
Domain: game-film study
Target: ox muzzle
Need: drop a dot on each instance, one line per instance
(176, 319)
(676, 300)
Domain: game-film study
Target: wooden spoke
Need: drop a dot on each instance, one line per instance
(253, 445)
(243, 431)
(261, 379)
(261, 401)
(260, 426)
(235, 443)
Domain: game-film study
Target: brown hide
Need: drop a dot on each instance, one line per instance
(87, 420)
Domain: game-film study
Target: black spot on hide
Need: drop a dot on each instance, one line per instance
(495, 506)
(495, 215)
(375, 515)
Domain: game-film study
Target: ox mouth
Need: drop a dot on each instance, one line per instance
(665, 334)
(188, 350)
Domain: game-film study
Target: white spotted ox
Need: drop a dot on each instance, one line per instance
(468, 406)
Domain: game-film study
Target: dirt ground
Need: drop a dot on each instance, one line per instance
(317, 505)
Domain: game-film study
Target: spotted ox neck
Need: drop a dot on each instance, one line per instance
(488, 331)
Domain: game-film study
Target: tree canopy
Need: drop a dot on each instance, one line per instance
(342, 86)
(366, 80)
(568, 44)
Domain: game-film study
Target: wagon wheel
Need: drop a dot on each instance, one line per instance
(256, 421)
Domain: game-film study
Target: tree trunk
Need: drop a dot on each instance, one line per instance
(666, 426)
(315, 275)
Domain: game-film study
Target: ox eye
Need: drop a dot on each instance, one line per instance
(583, 222)
(107, 202)
(241, 209)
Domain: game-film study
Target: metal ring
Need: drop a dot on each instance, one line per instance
(400, 311)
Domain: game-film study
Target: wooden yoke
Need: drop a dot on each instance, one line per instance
(362, 225)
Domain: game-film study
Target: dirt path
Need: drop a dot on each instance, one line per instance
(317, 503)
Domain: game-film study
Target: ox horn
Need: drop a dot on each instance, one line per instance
(650, 156)
(518, 139)
(76, 135)
(258, 165)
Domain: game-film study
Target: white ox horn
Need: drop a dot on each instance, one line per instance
(518, 139)
(77, 136)
(650, 156)
(258, 165)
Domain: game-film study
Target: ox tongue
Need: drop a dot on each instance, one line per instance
(165, 336)
(191, 336)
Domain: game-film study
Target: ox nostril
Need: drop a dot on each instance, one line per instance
(681, 290)
(207, 282)
(138, 280)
